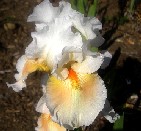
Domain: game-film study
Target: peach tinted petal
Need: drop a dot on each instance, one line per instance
(76, 101)
(46, 124)
(24, 67)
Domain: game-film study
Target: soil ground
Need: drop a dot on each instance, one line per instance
(122, 39)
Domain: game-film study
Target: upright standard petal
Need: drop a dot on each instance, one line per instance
(77, 100)
(44, 12)
(51, 41)
(85, 25)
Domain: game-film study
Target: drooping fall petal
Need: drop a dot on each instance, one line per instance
(76, 101)
(45, 123)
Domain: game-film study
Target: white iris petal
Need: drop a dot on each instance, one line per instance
(40, 26)
(51, 41)
(109, 113)
(44, 12)
(41, 105)
(19, 78)
(89, 65)
(74, 107)
(107, 59)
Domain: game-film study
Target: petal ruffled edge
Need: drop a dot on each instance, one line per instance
(107, 59)
(44, 12)
(81, 104)
(89, 65)
(109, 113)
(45, 123)
(41, 105)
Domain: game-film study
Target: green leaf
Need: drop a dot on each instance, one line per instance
(86, 3)
(93, 9)
(80, 6)
(118, 125)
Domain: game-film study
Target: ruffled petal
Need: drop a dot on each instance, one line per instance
(46, 124)
(24, 67)
(40, 26)
(76, 101)
(90, 64)
(44, 12)
(52, 41)
(107, 59)
(32, 51)
(70, 55)
(112, 116)
(85, 25)
(97, 41)
(18, 86)
(41, 105)
(109, 113)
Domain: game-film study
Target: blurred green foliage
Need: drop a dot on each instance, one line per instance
(93, 8)
(85, 6)
(132, 4)
(120, 20)
(78, 129)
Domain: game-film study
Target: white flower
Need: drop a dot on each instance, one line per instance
(54, 40)
(61, 47)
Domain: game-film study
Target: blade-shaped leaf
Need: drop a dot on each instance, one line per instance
(80, 6)
(93, 8)
(86, 3)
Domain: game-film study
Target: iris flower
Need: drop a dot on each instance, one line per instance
(74, 93)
